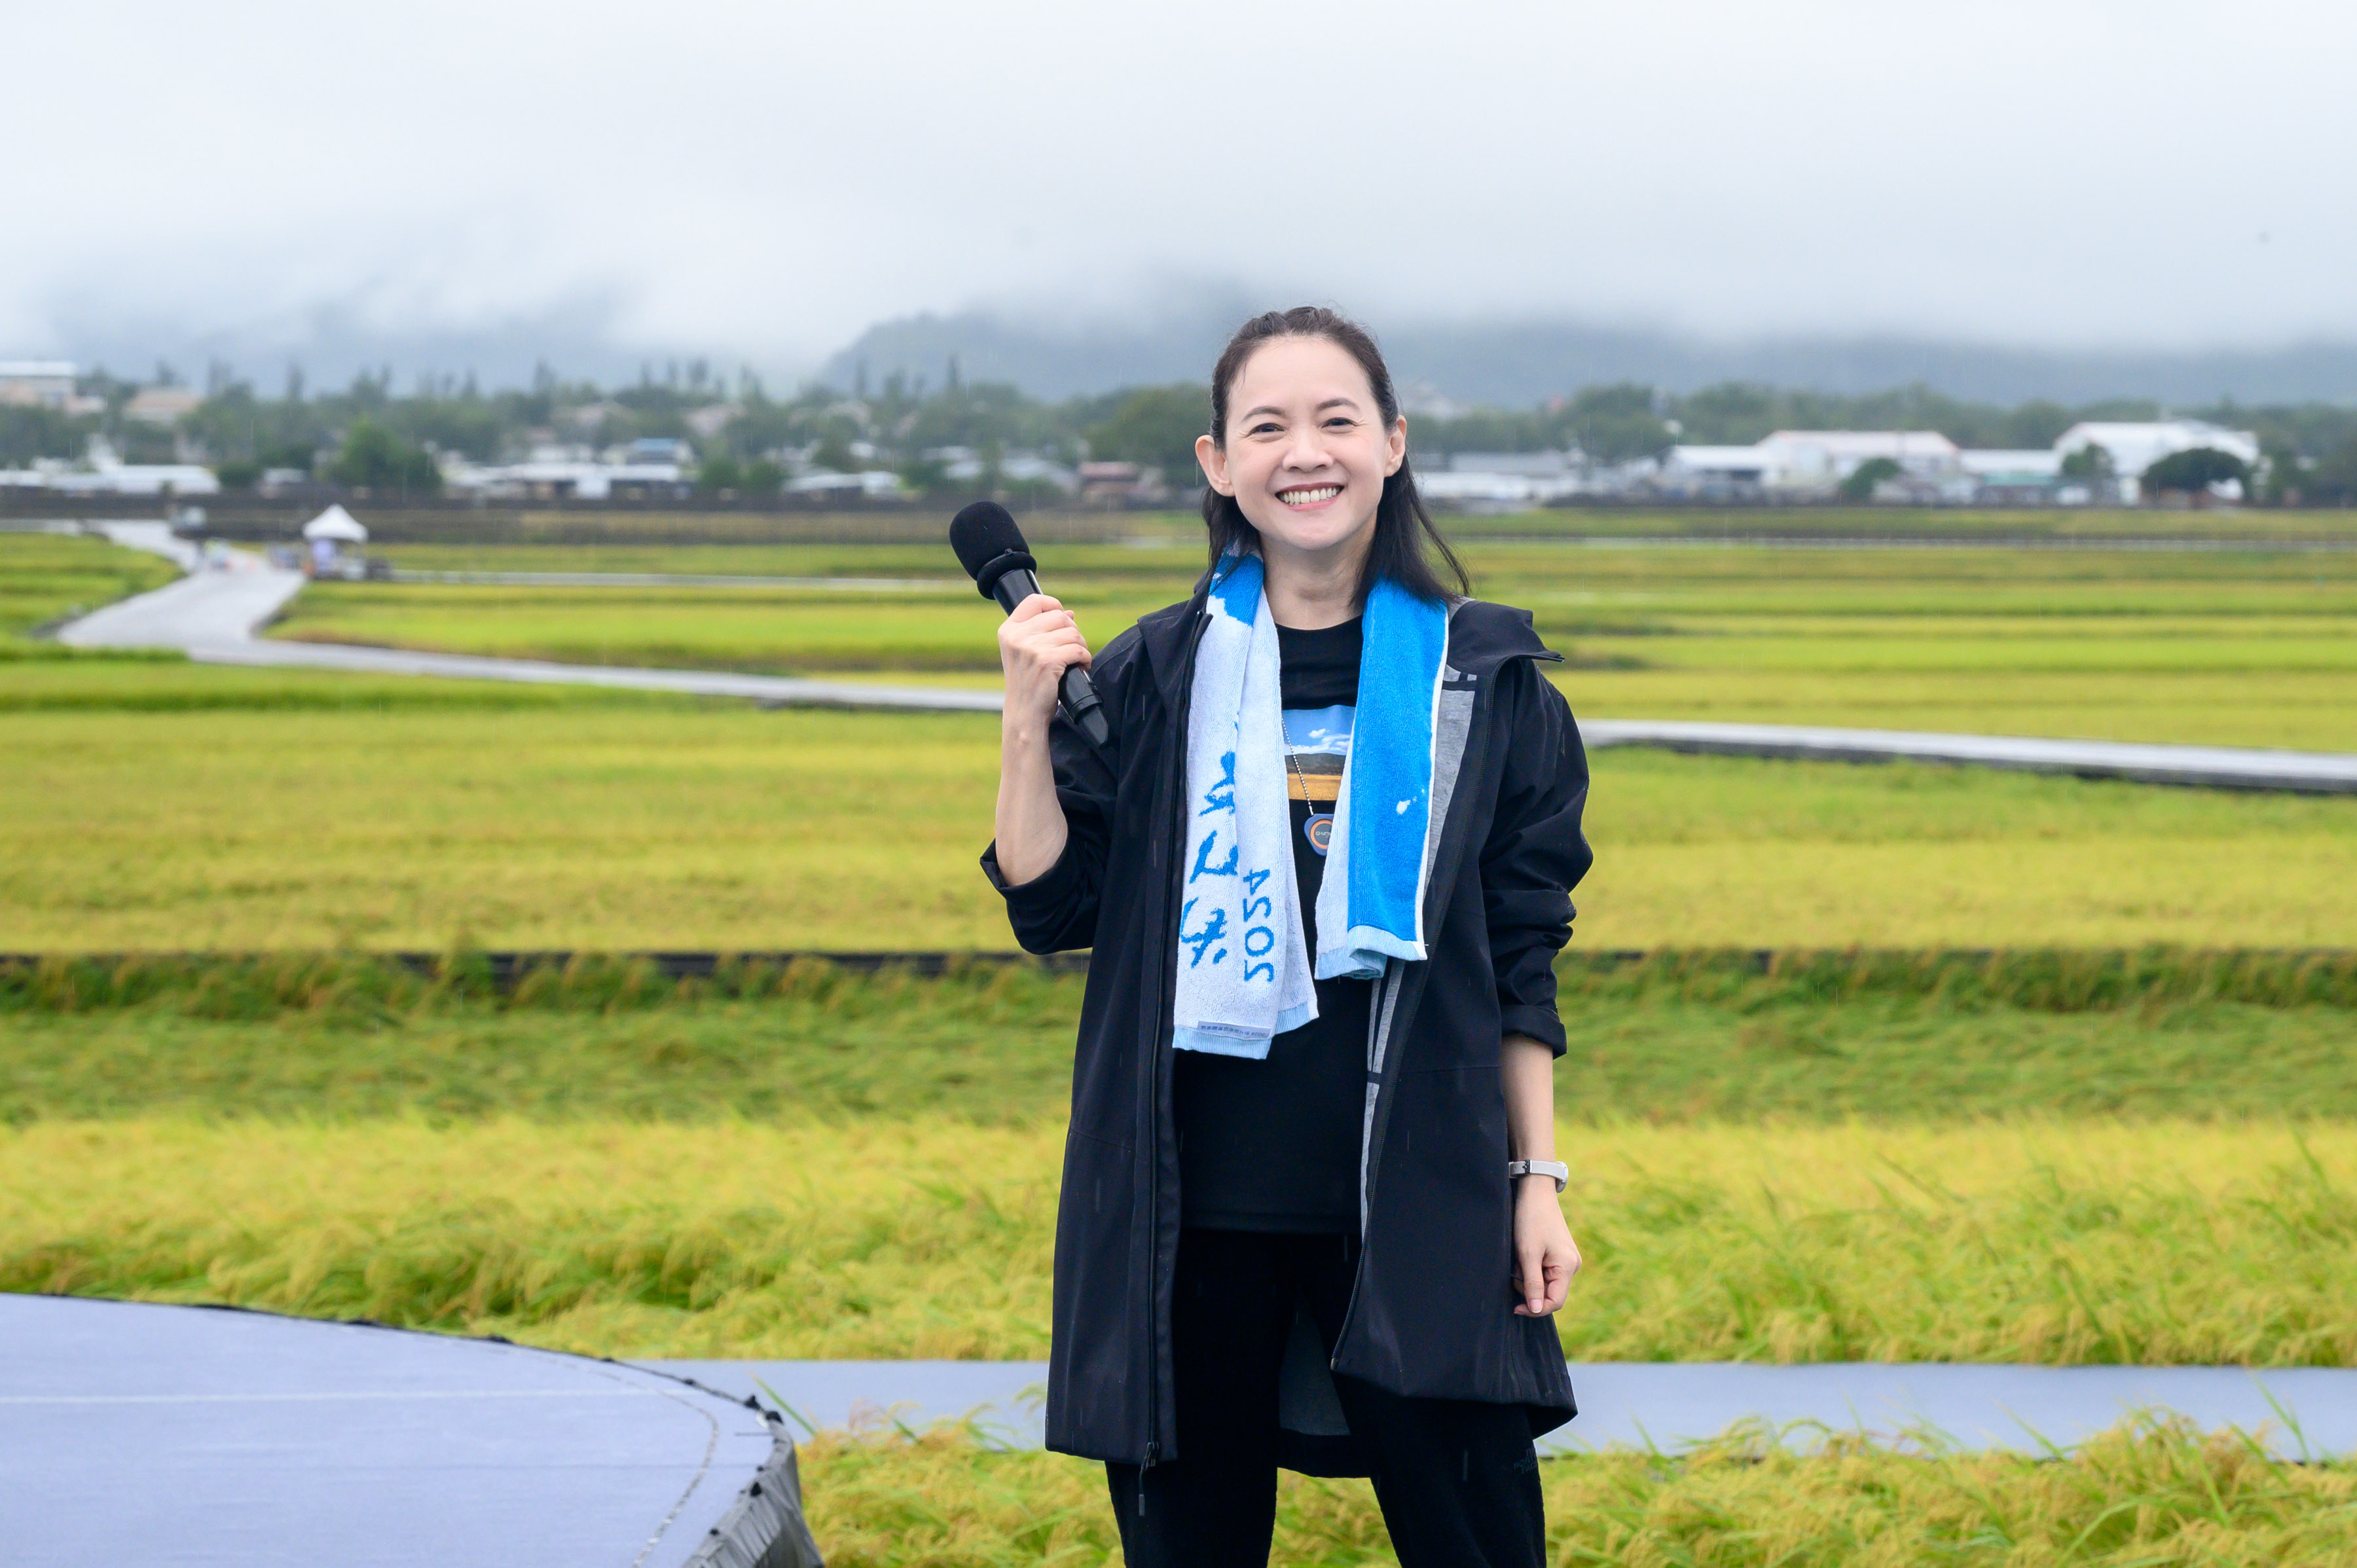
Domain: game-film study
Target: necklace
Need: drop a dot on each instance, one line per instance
(1320, 828)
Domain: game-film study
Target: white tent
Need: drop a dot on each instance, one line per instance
(337, 524)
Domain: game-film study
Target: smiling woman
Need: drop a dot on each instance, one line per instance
(1305, 428)
(1277, 1243)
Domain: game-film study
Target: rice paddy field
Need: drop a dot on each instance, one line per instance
(155, 805)
(2128, 1134)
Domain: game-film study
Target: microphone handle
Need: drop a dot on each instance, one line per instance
(1075, 693)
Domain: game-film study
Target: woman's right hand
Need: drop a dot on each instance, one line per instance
(1036, 644)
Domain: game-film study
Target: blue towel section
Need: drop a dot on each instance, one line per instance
(1381, 832)
(1242, 967)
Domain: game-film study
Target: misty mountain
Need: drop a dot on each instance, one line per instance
(1517, 364)
(1503, 363)
(331, 343)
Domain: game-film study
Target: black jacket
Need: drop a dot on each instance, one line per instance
(1433, 1313)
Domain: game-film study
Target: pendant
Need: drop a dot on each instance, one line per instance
(1319, 831)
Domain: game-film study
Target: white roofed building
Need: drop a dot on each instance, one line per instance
(873, 484)
(1719, 470)
(2009, 462)
(1803, 462)
(138, 479)
(2135, 446)
(1825, 458)
(1502, 481)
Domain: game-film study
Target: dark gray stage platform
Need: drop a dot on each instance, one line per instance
(132, 1434)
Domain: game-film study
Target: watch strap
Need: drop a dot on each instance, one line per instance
(1556, 1169)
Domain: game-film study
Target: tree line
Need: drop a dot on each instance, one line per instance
(746, 439)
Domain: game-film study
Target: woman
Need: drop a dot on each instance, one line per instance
(1324, 864)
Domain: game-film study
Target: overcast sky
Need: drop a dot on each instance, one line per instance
(764, 180)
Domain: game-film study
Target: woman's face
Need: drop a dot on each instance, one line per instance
(1307, 450)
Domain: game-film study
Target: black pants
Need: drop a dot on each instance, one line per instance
(1459, 1481)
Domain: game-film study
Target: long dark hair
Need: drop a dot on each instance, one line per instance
(1405, 538)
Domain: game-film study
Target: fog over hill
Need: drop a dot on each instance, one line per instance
(1501, 363)
(1509, 363)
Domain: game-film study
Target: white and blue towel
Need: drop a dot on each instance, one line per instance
(1244, 975)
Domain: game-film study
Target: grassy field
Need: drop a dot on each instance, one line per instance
(155, 804)
(2141, 1497)
(47, 577)
(1901, 1038)
(519, 819)
(2063, 1157)
(608, 1163)
(2039, 1241)
(2225, 648)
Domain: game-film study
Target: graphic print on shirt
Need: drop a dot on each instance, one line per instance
(1316, 745)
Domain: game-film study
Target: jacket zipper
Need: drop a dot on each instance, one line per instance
(1154, 1072)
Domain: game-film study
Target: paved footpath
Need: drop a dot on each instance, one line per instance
(214, 615)
(2308, 1412)
(2213, 766)
(222, 605)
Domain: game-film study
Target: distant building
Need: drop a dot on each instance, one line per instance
(37, 383)
(1111, 483)
(1530, 465)
(2135, 446)
(1824, 458)
(1992, 463)
(591, 417)
(647, 481)
(661, 449)
(965, 466)
(2020, 476)
(163, 405)
(1478, 491)
(1502, 481)
(44, 383)
(556, 473)
(548, 479)
(876, 484)
(137, 479)
(712, 419)
(293, 484)
(1721, 470)
(1793, 464)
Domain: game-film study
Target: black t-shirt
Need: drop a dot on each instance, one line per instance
(1273, 1144)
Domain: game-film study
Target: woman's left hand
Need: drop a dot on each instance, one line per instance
(1545, 1257)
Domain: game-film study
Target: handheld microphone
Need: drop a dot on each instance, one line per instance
(991, 549)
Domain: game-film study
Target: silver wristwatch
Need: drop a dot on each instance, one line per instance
(1517, 1169)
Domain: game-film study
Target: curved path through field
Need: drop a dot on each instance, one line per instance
(214, 614)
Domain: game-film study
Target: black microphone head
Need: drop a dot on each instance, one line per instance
(989, 544)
